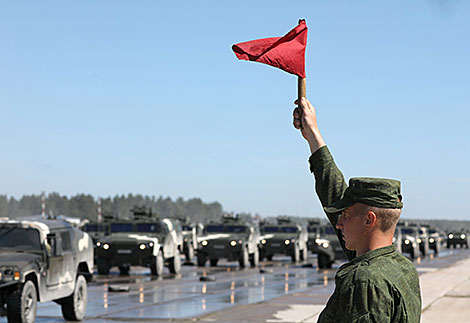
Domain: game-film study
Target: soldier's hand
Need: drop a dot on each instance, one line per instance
(305, 119)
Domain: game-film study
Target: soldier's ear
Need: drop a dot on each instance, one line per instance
(371, 219)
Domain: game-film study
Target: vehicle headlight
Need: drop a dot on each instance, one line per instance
(98, 244)
(263, 241)
(451, 236)
(407, 241)
(292, 240)
(105, 246)
(431, 240)
(185, 239)
(325, 245)
(142, 246)
(317, 241)
(205, 243)
(151, 244)
(287, 242)
(233, 243)
(462, 236)
(419, 240)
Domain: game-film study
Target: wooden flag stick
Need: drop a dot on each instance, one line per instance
(302, 88)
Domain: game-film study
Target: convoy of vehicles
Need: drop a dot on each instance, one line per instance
(43, 260)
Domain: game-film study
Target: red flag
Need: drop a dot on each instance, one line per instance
(286, 53)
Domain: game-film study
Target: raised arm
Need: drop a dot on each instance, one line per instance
(329, 181)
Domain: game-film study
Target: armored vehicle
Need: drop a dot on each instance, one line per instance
(329, 234)
(43, 260)
(457, 238)
(96, 231)
(189, 232)
(285, 237)
(313, 230)
(436, 238)
(410, 244)
(145, 240)
(423, 240)
(231, 239)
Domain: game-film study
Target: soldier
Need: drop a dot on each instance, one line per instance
(377, 284)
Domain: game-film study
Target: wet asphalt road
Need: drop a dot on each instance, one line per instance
(185, 297)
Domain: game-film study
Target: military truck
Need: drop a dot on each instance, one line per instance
(436, 238)
(410, 244)
(457, 238)
(229, 238)
(43, 260)
(285, 237)
(146, 240)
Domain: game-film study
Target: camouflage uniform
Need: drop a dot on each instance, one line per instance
(378, 286)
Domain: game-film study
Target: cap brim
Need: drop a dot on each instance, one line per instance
(338, 206)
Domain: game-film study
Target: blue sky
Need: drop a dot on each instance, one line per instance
(117, 97)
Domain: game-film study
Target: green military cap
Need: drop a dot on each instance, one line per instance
(378, 192)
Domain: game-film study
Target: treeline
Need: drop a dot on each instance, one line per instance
(85, 206)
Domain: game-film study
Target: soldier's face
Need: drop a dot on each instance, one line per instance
(352, 225)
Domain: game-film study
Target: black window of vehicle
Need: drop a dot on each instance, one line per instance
(431, 231)
(421, 231)
(121, 227)
(91, 228)
(214, 228)
(187, 228)
(270, 229)
(407, 231)
(235, 228)
(19, 238)
(330, 230)
(149, 227)
(289, 229)
(66, 244)
(313, 229)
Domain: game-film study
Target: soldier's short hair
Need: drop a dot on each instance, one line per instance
(387, 218)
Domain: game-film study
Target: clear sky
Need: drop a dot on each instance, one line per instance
(117, 97)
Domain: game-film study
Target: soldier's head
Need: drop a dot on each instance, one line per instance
(369, 206)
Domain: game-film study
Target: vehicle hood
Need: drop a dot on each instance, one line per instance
(20, 260)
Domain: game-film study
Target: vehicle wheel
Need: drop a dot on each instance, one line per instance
(124, 270)
(156, 264)
(103, 266)
(296, 254)
(412, 254)
(74, 306)
(324, 261)
(304, 254)
(22, 304)
(201, 259)
(243, 257)
(214, 262)
(270, 257)
(175, 263)
(189, 252)
(254, 258)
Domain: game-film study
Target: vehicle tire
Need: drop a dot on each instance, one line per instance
(22, 304)
(270, 257)
(124, 270)
(324, 261)
(103, 266)
(156, 264)
(243, 257)
(201, 259)
(74, 306)
(175, 263)
(296, 255)
(304, 254)
(189, 252)
(412, 254)
(214, 262)
(254, 258)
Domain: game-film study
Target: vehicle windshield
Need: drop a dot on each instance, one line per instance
(214, 228)
(407, 231)
(421, 231)
(187, 228)
(329, 230)
(19, 238)
(149, 227)
(313, 229)
(226, 228)
(280, 229)
(431, 231)
(121, 227)
(92, 227)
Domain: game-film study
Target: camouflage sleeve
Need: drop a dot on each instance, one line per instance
(365, 302)
(330, 186)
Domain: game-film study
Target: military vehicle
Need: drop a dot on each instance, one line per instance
(145, 240)
(410, 236)
(43, 260)
(229, 238)
(457, 238)
(328, 233)
(435, 240)
(189, 231)
(313, 230)
(285, 237)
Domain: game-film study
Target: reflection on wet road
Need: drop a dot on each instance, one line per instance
(185, 296)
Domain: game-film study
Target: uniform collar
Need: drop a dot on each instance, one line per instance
(351, 265)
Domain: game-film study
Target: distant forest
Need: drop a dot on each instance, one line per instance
(85, 206)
